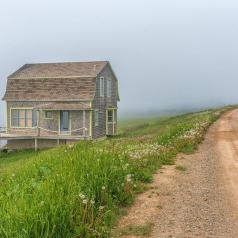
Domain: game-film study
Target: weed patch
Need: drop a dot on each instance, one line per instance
(144, 230)
(181, 168)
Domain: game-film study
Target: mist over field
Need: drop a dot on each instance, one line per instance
(169, 56)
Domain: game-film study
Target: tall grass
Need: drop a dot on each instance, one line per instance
(77, 191)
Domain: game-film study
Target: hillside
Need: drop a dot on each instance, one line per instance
(79, 190)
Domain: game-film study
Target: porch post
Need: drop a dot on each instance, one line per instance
(36, 144)
(106, 122)
(90, 129)
(7, 118)
(113, 129)
(84, 123)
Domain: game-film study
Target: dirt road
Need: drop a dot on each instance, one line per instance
(201, 201)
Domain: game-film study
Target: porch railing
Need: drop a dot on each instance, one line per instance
(70, 132)
(2, 129)
(38, 132)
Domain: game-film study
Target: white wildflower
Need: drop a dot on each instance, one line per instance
(82, 196)
(85, 201)
(128, 178)
(92, 202)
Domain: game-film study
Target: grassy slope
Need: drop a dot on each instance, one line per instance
(77, 191)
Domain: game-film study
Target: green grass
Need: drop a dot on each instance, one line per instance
(14, 160)
(79, 191)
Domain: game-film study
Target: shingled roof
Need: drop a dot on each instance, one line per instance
(56, 70)
(54, 81)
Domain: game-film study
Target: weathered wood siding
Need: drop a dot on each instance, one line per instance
(78, 122)
(102, 103)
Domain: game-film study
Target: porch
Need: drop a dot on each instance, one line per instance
(50, 124)
(35, 140)
(49, 120)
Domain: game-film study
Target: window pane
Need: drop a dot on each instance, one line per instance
(22, 122)
(109, 88)
(48, 114)
(110, 116)
(34, 118)
(101, 86)
(96, 118)
(15, 122)
(28, 114)
(22, 114)
(65, 120)
(14, 113)
(28, 122)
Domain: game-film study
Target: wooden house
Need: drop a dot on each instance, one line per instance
(54, 103)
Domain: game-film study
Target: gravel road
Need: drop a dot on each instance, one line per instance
(201, 201)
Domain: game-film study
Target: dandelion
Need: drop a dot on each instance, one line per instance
(85, 201)
(65, 151)
(82, 196)
(103, 188)
(128, 178)
(13, 175)
(71, 146)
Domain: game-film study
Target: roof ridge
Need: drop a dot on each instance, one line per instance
(68, 62)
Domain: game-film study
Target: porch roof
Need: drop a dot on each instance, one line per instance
(69, 106)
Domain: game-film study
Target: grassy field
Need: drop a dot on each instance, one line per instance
(79, 190)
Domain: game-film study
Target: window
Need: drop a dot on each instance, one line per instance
(23, 118)
(96, 117)
(34, 118)
(15, 118)
(109, 87)
(110, 116)
(48, 114)
(101, 86)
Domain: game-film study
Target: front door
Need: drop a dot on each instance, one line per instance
(64, 121)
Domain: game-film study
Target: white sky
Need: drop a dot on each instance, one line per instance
(166, 53)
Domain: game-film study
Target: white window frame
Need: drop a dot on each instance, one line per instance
(45, 114)
(96, 117)
(101, 83)
(112, 111)
(25, 118)
(109, 88)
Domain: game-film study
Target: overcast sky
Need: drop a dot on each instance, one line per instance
(166, 53)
